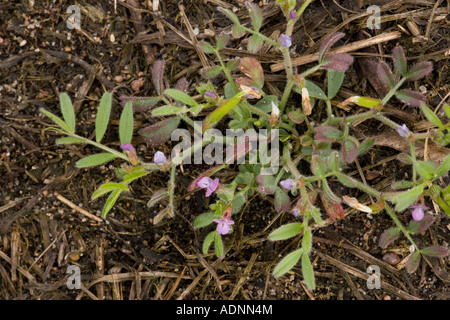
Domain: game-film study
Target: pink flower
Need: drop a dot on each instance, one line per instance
(209, 184)
(223, 225)
(418, 213)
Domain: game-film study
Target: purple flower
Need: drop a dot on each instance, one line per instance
(127, 147)
(159, 158)
(209, 184)
(296, 212)
(418, 213)
(403, 130)
(131, 153)
(223, 225)
(210, 94)
(292, 14)
(286, 41)
(287, 184)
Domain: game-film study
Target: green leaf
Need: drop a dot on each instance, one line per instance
(426, 169)
(388, 236)
(333, 161)
(103, 114)
(108, 187)
(206, 47)
(157, 197)
(222, 40)
(255, 43)
(314, 90)
(447, 110)
(126, 124)
(255, 14)
(208, 241)
(211, 72)
(134, 175)
(282, 200)
(444, 167)
(405, 199)
(218, 245)
(285, 232)
(95, 160)
(329, 193)
(400, 60)
(345, 180)
(169, 111)
(403, 184)
(433, 118)
(318, 166)
(411, 98)
(365, 146)
(204, 219)
(215, 116)
(238, 31)
(327, 133)
(70, 140)
(67, 111)
(307, 240)
(413, 262)
(335, 79)
(287, 263)
(308, 272)
(434, 251)
(180, 96)
(385, 74)
(57, 120)
(160, 132)
(110, 202)
(419, 70)
(230, 15)
(252, 68)
(422, 225)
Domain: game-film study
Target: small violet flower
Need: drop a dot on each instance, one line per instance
(286, 41)
(209, 184)
(223, 225)
(287, 184)
(403, 130)
(210, 94)
(418, 213)
(130, 152)
(292, 14)
(296, 212)
(159, 158)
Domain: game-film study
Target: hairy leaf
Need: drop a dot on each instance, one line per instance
(159, 132)
(287, 263)
(286, 231)
(103, 114)
(388, 236)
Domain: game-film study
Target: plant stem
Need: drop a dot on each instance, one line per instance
(226, 71)
(171, 190)
(399, 224)
(413, 156)
(393, 91)
(103, 147)
(267, 39)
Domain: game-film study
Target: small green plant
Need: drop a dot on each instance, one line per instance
(328, 146)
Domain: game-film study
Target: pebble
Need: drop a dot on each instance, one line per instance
(118, 79)
(22, 43)
(391, 258)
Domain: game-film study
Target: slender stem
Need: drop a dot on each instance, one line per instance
(310, 71)
(399, 224)
(267, 39)
(171, 190)
(226, 71)
(303, 7)
(103, 147)
(286, 93)
(329, 109)
(393, 91)
(413, 156)
(360, 116)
